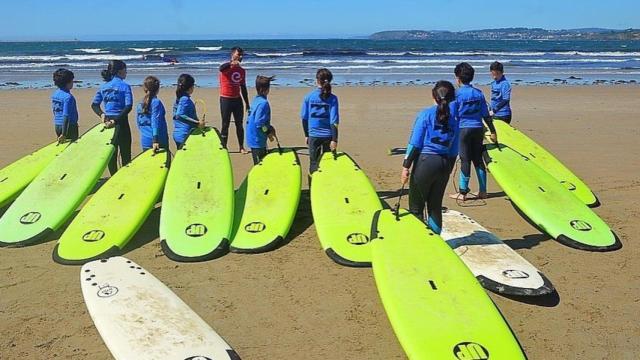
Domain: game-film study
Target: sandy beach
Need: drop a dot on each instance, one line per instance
(294, 302)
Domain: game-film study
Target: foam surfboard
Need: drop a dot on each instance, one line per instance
(521, 143)
(343, 202)
(547, 203)
(17, 175)
(497, 267)
(53, 196)
(115, 212)
(436, 307)
(197, 205)
(139, 317)
(266, 203)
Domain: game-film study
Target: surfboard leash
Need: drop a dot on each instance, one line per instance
(396, 209)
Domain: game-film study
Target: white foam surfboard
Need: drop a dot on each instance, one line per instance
(140, 318)
(497, 267)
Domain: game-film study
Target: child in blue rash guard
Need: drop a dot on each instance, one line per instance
(500, 94)
(471, 109)
(116, 96)
(151, 117)
(65, 110)
(185, 117)
(259, 122)
(320, 118)
(429, 148)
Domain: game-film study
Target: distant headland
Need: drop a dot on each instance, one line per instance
(510, 34)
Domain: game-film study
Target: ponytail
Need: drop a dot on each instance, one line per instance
(151, 87)
(185, 82)
(444, 94)
(113, 68)
(324, 78)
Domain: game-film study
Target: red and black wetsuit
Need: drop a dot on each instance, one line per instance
(233, 89)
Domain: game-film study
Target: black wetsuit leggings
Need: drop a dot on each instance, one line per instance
(427, 185)
(258, 154)
(228, 107)
(470, 151)
(317, 147)
(72, 131)
(123, 145)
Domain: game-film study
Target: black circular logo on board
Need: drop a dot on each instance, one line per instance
(470, 351)
(568, 185)
(580, 225)
(515, 274)
(30, 218)
(195, 230)
(107, 291)
(198, 357)
(255, 227)
(93, 236)
(357, 239)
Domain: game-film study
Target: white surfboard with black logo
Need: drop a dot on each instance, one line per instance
(497, 267)
(140, 318)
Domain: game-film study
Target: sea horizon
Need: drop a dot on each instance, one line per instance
(354, 61)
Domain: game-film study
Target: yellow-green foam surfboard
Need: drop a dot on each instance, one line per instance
(266, 203)
(547, 203)
(521, 143)
(343, 202)
(114, 214)
(53, 196)
(197, 205)
(436, 307)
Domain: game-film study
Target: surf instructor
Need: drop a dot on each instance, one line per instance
(233, 92)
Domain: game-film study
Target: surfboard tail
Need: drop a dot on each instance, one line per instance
(221, 250)
(567, 241)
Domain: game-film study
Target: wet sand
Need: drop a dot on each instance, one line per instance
(294, 302)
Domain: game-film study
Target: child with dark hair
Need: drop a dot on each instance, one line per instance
(151, 117)
(320, 118)
(472, 109)
(233, 90)
(185, 117)
(63, 104)
(500, 94)
(259, 126)
(116, 96)
(429, 149)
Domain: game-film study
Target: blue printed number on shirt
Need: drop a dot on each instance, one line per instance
(320, 111)
(111, 95)
(472, 107)
(57, 106)
(446, 132)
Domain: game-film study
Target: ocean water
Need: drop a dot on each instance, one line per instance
(353, 62)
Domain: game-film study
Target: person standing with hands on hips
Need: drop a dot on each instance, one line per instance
(116, 96)
(320, 117)
(233, 91)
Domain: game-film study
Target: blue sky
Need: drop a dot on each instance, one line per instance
(90, 19)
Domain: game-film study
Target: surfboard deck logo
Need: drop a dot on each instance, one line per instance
(255, 227)
(30, 218)
(107, 291)
(580, 225)
(93, 236)
(470, 351)
(357, 239)
(515, 274)
(195, 230)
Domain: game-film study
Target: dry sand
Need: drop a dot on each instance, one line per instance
(295, 303)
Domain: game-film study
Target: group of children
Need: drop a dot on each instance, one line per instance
(454, 126)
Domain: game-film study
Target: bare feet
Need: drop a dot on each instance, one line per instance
(458, 196)
(482, 195)
(243, 151)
